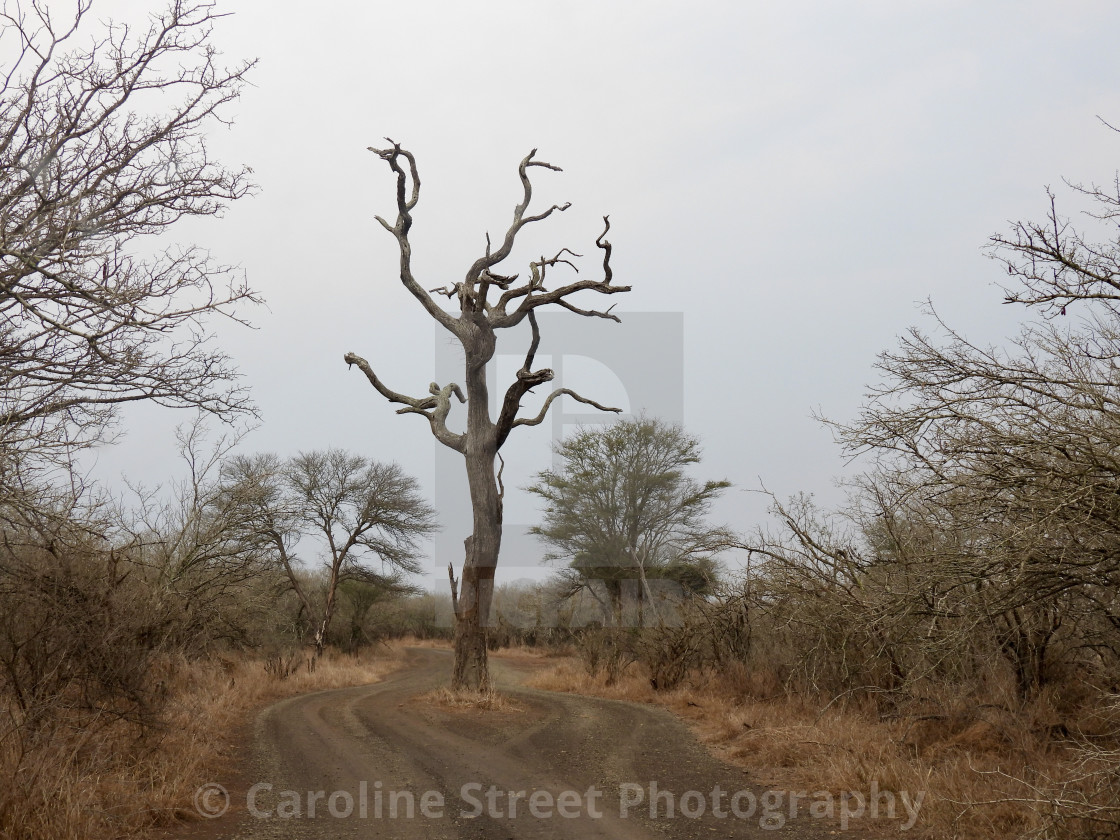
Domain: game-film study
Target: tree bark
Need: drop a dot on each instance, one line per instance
(472, 672)
(472, 617)
(328, 614)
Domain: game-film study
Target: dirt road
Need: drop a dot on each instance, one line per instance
(379, 762)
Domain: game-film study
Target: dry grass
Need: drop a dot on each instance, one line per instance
(452, 700)
(433, 644)
(95, 779)
(974, 763)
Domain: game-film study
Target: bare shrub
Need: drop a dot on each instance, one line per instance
(282, 665)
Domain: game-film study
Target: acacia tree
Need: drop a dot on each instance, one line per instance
(622, 507)
(101, 143)
(358, 508)
(486, 302)
(254, 487)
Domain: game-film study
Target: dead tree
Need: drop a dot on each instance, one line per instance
(486, 302)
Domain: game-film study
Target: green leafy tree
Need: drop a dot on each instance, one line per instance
(622, 508)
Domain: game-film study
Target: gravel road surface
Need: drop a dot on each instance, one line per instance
(380, 761)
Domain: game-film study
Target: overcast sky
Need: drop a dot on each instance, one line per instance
(792, 178)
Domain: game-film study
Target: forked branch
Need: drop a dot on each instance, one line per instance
(435, 407)
(492, 258)
(406, 201)
(1055, 264)
(536, 421)
(475, 274)
(526, 380)
(536, 295)
(537, 271)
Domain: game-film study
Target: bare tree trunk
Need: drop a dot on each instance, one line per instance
(472, 616)
(471, 667)
(328, 614)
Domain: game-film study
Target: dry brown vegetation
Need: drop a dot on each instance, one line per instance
(983, 767)
(130, 655)
(954, 630)
(451, 699)
(91, 776)
(955, 626)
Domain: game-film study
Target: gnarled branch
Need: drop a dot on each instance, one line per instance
(492, 258)
(435, 407)
(536, 421)
(526, 380)
(405, 203)
(537, 271)
(534, 298)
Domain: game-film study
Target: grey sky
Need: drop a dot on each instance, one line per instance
(792, 177)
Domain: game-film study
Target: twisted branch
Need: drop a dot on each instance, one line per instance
(526, 380)
(478, 320)
(405, 203)
(435, 407)
(492, 258)
(534, 297)
(536, 421)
